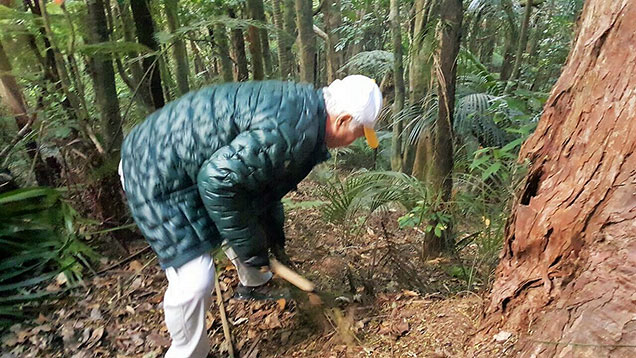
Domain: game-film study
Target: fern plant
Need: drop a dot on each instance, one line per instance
(374, 64)
(38, 235)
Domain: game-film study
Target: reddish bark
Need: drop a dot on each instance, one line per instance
(566, 280)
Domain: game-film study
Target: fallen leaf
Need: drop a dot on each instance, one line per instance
(146, 306)
(22, 335)
(61, 279)
(137, 283)
(284, 337)
(10, 340)
(135, 265)
(401, 328)
(41, 319)
(137, 339)
(251, 334)
(158, 340)
(81, 354)
(272, 321)
(96, 336)
(130, 310)
(41, 328)
(68, 332)
(281, 303)
(86, 334)
(153, 354)
(53, 287)
(410, 293)
(209, 319)
(314, 299)
(96, 315)
(239, 321)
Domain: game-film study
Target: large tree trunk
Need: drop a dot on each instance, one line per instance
(145, 33)
(238, 47)
(434, 157)
(178, 48)
(304, 22)
(566, 277)
(47, 173)
(398, 78)
(103, 76)
(421, 60)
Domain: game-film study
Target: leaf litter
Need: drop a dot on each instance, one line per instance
(385, 308)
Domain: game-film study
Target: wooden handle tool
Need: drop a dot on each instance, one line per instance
(291, 276)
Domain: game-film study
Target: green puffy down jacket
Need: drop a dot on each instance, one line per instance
(214, 165)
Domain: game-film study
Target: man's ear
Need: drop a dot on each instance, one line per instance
(343, 120)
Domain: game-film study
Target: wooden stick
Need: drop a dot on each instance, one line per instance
(226, 325)
(292, 277)
(127, 259)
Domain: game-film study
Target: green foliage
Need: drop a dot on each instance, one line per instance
(359, 155)
(374, 64)
(39, 239)
(289, 204)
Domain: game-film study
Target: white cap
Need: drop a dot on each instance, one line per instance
(358, 96)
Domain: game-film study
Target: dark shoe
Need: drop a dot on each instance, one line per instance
(266, 292)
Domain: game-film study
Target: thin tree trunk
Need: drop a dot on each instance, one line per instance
(521, 46)
(47, 173)
(259, 15)
(178, 48)
(103, 76)
(285, 42)
(110, 206)
(238, 46)
(220, 39)
(289, 25)
(565, 283)
(510, 40)
(76, 97)
(330, 55)
(254, 38)
(398, 79)
(330, 52)
(199, 68)
(434, 163)
(150, 65)
(136, 72)
(304, 22)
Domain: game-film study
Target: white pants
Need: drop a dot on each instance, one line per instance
(188, 298)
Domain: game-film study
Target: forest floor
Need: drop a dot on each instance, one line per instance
(390, 303)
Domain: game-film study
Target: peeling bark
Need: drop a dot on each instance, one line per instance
(566, 277)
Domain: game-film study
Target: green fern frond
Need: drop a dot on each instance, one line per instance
(374, 64)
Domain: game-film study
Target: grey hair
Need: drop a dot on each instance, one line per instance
(336, 107)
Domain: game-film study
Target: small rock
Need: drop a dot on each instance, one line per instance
(502, 336)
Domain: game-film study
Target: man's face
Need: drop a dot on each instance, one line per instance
(339, 132)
